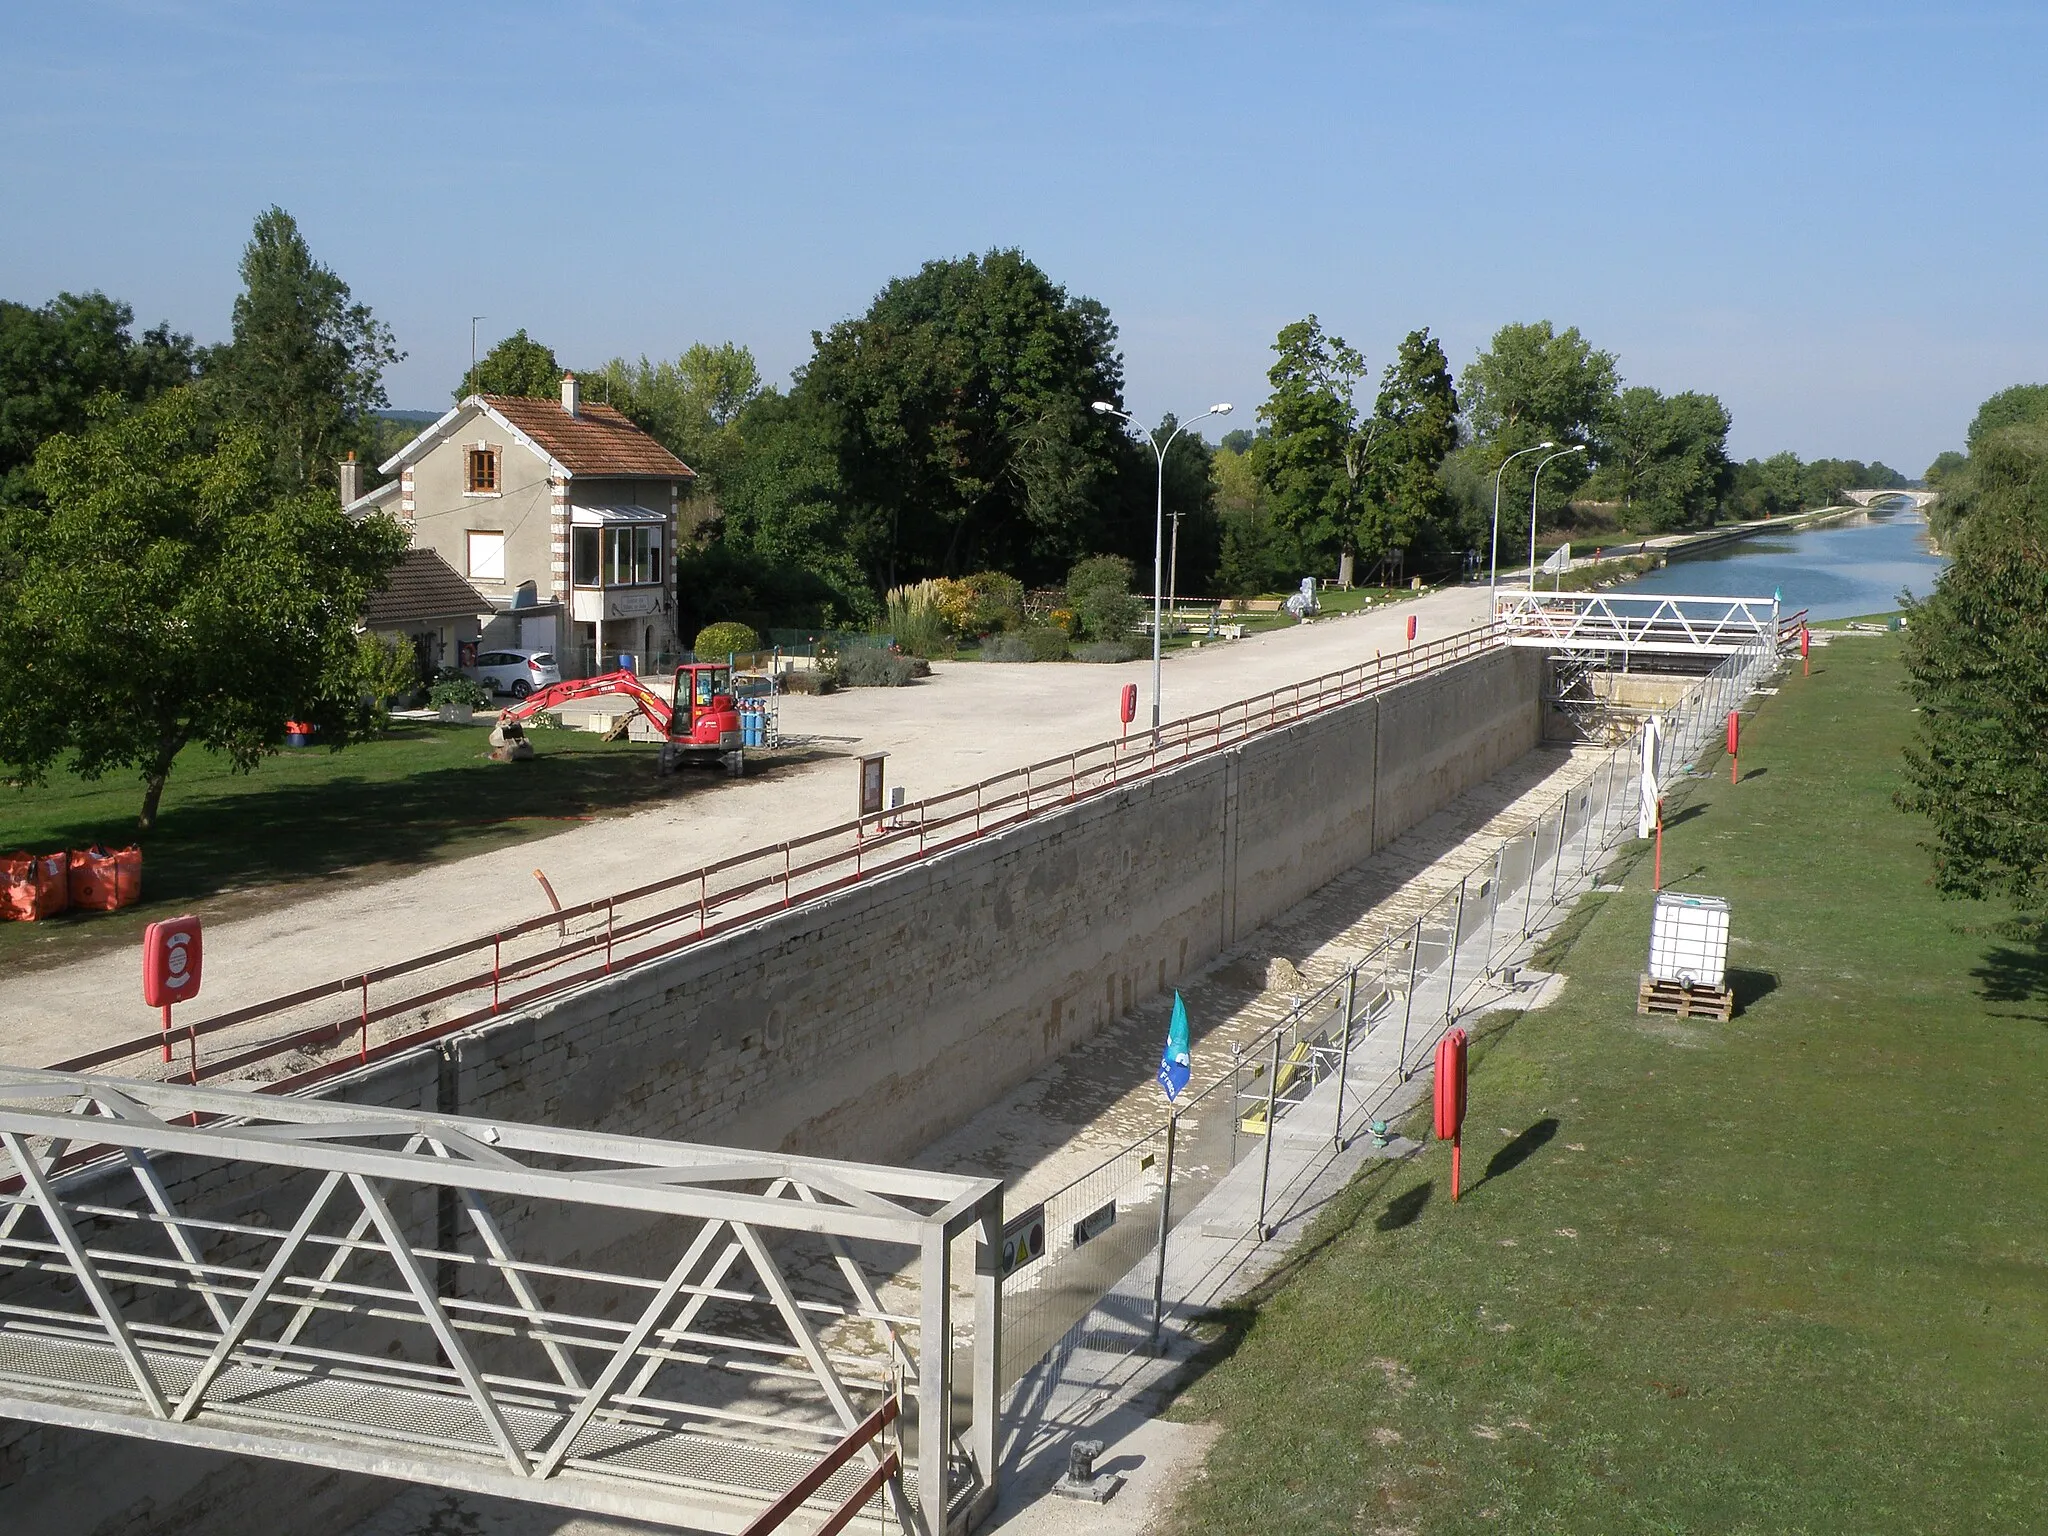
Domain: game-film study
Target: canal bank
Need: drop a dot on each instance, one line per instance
(1747, 1276)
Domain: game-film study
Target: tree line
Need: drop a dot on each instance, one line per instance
(1977, 668)
(947, 429)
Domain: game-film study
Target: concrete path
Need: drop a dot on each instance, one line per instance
(967, 722)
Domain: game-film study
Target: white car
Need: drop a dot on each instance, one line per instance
(517, 672)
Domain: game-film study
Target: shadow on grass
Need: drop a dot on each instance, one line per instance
(1680, 818)
(2014, 973)
(1521, 1149)
(1754, 773)
(1750, 987)
(1404, 1208)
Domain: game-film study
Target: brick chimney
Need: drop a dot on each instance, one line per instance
(572, 395)
(351, 479)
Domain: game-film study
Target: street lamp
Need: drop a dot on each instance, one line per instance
(1533, 481)
(1104, 408)
(1493, 573)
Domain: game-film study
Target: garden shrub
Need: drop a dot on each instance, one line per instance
(1106, 650)
(387, 671)
(1047, 643)
(805, 680)
(869, 666)
(920, 618)
(717, 641)
(454, 688)
(997, 603)
(1008, 647)
(1099, 592)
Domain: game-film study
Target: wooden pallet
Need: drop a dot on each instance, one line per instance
(1685, 1002)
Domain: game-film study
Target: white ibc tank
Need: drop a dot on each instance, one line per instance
(1689, 939)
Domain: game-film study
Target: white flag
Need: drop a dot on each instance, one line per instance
(1646, 813)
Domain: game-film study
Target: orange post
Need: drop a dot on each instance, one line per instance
(1734, 744)
(1805, 647)
(1457, 1147)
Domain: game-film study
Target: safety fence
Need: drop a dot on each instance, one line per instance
(1298, 1092)
(316, 1033)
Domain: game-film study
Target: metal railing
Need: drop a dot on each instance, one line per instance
(309, 1036)
(1296, 1093)
(1626, 622)
(691, 1335)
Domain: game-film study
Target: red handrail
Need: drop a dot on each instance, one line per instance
(863, 1433)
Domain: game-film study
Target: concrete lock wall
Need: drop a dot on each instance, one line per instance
(865, 1025)
(872, 1022)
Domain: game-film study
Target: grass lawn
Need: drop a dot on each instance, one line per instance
(225, 841)
(1788, 1274)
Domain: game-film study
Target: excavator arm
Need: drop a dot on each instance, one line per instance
(652, 704)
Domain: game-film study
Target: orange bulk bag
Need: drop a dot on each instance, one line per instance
(34, 885)
(105, 882)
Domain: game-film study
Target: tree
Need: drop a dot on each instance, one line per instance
(2023, 405)
(1535, 384)
(56, 358)
(959, 408)
(1311, 454)
(1099, 593)
(1977, 667)
(1663, 457)
(170, 594)
(306, 366)
(784, 507)
(1947, 466)
(692, 406)
(518, 366)
(1414, 429)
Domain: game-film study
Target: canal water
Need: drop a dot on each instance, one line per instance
(1839, 571)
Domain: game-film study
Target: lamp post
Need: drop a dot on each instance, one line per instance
(1534, 480)
(1104, 408)
(1493, 571)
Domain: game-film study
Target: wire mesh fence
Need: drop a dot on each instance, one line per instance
(1293, 1096)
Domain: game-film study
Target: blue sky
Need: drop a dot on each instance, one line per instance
(1828, 215)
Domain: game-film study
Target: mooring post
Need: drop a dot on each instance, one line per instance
(1272, 1130)
(1165, 1222)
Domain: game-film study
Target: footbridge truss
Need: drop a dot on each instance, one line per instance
(699, 1337)
(1614, 623)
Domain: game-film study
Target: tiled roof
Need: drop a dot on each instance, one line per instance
(597, 440)
(423, 586)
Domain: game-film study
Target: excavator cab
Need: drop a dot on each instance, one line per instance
(705, 727)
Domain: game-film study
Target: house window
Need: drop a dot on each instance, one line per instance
(616, 557)
(480, 471)
(487, 555)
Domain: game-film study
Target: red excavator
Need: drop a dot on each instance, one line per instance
(701, 724)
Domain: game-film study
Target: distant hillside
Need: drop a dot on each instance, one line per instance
(415, 418)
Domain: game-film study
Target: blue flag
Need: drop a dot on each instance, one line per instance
(1175, 1066)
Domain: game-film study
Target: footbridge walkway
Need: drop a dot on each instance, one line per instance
(414, 1296)
(1656, 624)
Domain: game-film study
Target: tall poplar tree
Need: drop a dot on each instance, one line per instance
(306, 366)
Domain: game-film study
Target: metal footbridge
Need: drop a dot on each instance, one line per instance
(699, 1337)
(1645, 624)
